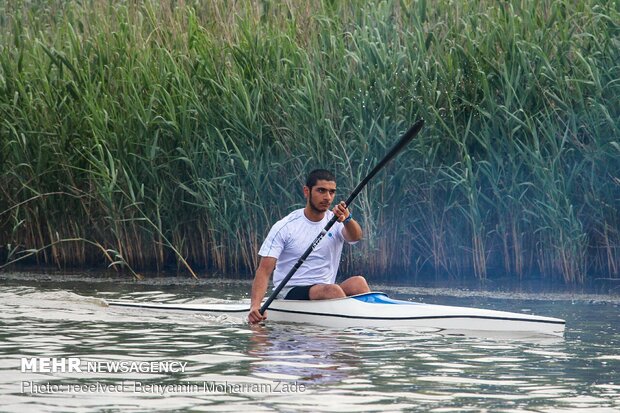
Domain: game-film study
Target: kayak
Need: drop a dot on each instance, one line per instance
(376, 309)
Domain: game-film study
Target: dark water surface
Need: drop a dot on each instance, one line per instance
(229, 366)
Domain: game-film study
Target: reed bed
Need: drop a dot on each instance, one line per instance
(172, 134)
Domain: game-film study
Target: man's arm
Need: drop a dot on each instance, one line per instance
(352, 231)
(259, 288)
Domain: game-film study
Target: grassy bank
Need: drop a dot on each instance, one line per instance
(174, 133)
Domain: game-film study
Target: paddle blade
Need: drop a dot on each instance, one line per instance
(402, 142)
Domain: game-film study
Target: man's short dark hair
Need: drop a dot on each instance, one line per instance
(317, 175)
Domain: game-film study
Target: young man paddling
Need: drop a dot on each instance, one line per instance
(290, 237)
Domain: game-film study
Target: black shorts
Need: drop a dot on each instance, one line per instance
(299, 292)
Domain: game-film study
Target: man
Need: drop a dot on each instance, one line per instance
(290, 237)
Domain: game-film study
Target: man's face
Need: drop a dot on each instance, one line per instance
(321, 195)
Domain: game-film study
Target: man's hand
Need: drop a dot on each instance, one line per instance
(266, 266)
(341, 211)
(352, 231)
(254, 316)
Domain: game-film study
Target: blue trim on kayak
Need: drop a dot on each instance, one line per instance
(380, 298)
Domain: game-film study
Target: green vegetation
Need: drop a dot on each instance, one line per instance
(158, 133)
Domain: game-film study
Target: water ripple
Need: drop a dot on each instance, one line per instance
(340, 370)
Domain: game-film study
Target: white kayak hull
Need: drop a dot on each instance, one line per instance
(378, 310)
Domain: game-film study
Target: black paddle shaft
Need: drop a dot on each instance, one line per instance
(402, 142)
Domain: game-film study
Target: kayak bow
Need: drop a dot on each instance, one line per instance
(376, 309)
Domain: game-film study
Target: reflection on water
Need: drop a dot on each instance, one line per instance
(231, 366)
(297, 353)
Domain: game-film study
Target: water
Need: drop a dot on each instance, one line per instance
(230, 366)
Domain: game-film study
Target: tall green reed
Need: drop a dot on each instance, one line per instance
(158, 134)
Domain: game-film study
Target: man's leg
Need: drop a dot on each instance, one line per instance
(351, 286)
(355, 285)
(326, 291)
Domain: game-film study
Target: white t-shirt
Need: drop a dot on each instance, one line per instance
(289, 238)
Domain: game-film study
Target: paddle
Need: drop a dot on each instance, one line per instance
(402, 142)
